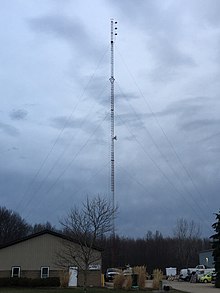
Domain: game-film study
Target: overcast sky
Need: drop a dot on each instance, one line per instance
(55, 109)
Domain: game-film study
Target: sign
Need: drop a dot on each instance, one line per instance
(95, 267)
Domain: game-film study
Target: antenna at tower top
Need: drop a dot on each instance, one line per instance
(113, 29)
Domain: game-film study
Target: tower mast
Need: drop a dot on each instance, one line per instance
(113, 137)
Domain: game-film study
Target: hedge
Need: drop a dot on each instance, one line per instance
(26, 282)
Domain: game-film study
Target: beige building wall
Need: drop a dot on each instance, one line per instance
(31, 254)
(41, 251)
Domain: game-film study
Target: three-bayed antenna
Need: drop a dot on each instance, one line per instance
(113, 136)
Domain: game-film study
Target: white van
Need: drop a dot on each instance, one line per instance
(184, 275)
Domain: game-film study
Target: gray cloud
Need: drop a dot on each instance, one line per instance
(206, 12)
(162, 24)
(19, 114)
(76, 123)
(160, 15)
(99, 92)
(184, 107)
(200, 123)
(64, 122)
(70, 30)
(211, 137)
(131, 119)
(138, 10)
(167, 53)
(9, 129)
(193, 113)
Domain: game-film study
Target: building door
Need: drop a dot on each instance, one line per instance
(73, 271)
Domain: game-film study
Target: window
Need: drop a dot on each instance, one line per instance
(44, 272)
(15, 272)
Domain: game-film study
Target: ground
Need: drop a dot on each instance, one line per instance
(194, 287)
(68, 290)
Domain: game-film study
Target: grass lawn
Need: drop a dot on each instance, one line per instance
(73, 290)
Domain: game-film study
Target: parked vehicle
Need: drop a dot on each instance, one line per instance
(202, 269)
(111, 273)
(207, 278)
(199, 271)
(199, 275)
(171, 272)
(184, 275)
(213, 277)
(127, 271)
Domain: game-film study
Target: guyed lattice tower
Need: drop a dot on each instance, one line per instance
(113, 136)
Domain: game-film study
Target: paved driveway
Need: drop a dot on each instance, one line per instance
(194, 287)
(184, 286)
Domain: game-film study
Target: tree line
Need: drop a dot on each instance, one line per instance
(152, 250)
(14, 227)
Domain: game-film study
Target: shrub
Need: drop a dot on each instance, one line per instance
(157, 278)
(47, 282)
(141, 272)
(14, 282)
(127, 283)
(4, 282)
(64, 279)
(118, 281)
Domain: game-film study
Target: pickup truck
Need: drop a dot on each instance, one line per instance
(201, 269)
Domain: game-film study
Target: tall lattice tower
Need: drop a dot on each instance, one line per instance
(113, 136)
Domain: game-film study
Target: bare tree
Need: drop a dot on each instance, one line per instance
(187, 234)
(187, 229)
(86, 226)
(44, 226)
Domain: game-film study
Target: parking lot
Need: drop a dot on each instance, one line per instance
(183, 286)
(194, 287)
(179, 285)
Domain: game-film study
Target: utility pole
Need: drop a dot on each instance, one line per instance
(113, 136)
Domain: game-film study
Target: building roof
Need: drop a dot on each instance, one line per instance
(43, 232)
(207, 250)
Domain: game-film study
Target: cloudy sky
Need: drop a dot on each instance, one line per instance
(55, 109)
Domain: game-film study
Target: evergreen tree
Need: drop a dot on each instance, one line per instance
(216, 249)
